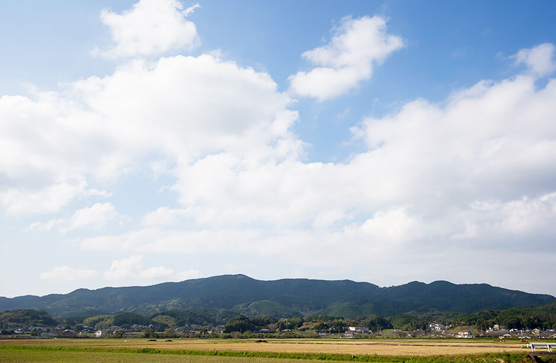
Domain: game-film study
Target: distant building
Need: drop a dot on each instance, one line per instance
(67, 334)
(99, 334)
(48, 335)
(464, 334)
(496, 333)
(358, 329)
(437, 327)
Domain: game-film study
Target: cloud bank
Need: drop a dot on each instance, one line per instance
(455, 182)
(348, 59)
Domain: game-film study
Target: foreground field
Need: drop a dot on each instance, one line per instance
(39, 356)
(391, 347)
(251, 351)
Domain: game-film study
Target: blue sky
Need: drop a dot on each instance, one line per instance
(383, 141)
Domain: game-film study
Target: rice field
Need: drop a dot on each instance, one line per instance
(382, 347)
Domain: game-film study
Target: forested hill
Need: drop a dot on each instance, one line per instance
(281, 298)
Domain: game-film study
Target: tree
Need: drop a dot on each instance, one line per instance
(291, 323)
(119, 334)
(239, 323)
(169, 333)
(148, 333)
(338, 326)
(264, 321)
(321, 326)
(376, 323)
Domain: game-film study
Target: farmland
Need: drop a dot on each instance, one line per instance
(251, 351)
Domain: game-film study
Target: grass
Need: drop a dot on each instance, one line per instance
(62, 356)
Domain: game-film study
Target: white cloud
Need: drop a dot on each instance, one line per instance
(46, 226)
(101, 129)
(433, 179)
(539, 60)
(48, 200)
(348, 59)
(164, 216)
(124, 268)
(151, 27)
(68, 273)
(96, 217)
(168, 114)
(436, 179)
(132, 268)
(526, 216)
(391, 226)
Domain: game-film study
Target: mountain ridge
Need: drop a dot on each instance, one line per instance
(300, 297)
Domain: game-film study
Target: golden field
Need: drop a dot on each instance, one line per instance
(383, 347)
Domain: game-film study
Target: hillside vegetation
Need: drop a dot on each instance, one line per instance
(543, 317)
(238, 294)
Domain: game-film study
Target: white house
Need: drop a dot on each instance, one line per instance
(464, 334)
(358, 329)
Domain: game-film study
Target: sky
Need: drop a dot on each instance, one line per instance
(382, 141)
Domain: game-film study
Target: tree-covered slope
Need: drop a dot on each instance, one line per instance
(280, 298)
(27, 317)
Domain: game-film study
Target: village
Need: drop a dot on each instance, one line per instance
(435, 330)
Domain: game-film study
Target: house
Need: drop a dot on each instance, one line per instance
(464, 334)
(48, 335)
(67, 333)
(358, 330)
(437, 327)
(99, 334)
(496, 333)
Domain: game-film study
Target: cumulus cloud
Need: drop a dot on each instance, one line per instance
(103, 128)
(539, 60)
(150, 28)
(96, 217)
(164, 216)
(474, 172)
(132, 267)
(57, 146)
(48, 200)
(68, 273)
(124, 268)
(349, 57)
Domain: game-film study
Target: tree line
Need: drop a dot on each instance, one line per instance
(542, 317)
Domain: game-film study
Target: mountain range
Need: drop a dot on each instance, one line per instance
(280, 298)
